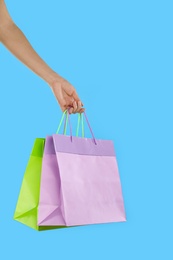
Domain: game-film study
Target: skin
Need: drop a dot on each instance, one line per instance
(16, 42)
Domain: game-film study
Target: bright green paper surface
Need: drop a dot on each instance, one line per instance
(28, 200)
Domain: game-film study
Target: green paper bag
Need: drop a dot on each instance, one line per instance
(27, 205)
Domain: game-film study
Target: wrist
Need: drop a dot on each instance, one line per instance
(53, 78)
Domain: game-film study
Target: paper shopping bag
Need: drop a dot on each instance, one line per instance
(27, 205)
(89, 187)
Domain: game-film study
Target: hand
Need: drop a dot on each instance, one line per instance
(66, 96)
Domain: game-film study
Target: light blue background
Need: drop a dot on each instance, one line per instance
(118, 55)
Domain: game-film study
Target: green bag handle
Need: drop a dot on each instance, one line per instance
(62, 118)
(80, 119)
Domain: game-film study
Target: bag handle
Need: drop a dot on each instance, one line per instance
(90, 127)
(68, 116)
(80, 119)
(60, 123)
(87, 123)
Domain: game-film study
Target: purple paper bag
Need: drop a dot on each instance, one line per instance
(80, 182)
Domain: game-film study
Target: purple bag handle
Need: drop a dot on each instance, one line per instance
(87, 123)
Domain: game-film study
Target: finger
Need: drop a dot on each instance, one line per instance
(70, 110)
(74, 107)
(79, 106)
(81, 110)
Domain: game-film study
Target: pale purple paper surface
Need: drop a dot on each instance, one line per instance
(82, 145)
(80, 184)
(49, 210)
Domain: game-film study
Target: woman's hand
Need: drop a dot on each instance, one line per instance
(66, 95)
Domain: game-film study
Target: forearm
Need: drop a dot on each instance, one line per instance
(14, 39)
